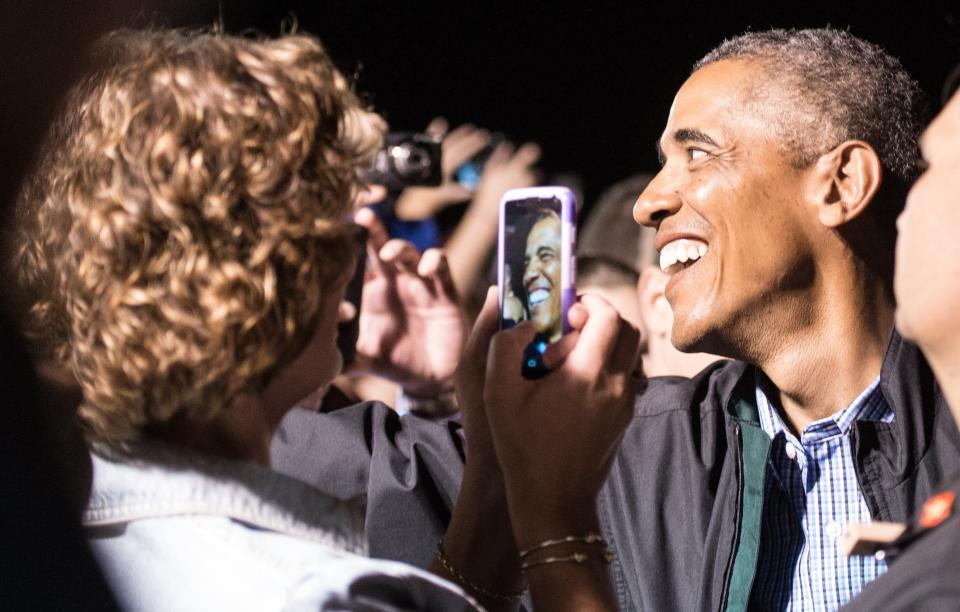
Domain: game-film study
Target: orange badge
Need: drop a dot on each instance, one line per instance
(936, 509)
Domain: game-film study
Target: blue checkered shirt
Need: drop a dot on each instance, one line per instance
(810, 494)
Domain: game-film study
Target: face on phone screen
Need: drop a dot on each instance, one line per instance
(535, 283)
(539, 274)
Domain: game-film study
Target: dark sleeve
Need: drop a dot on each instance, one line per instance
(669, 505)
(408, 470)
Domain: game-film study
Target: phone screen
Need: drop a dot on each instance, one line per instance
(536, 266)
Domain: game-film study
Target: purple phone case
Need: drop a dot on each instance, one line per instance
(534, 197)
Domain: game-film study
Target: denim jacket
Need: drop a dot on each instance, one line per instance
(174, 530)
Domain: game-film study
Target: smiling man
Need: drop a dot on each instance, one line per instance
(786, 157)
(541, 276)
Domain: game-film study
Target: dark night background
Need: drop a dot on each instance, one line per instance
(592, 83)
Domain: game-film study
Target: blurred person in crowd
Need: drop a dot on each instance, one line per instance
(777, 231)
(184, 240)
(925, 565)
(616, 260)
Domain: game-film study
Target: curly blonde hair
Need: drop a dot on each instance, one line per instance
(185, 219)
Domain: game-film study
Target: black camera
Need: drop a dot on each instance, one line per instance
(406, 160)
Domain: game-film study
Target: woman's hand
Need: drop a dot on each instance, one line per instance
(555, 437)
(411, 325)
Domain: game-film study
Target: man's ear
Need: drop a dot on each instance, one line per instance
(844, 182)
(657, 316)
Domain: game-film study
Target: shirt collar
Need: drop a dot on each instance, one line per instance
(148, 480)
(868, 406)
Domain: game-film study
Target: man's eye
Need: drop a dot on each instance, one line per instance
(696, 154)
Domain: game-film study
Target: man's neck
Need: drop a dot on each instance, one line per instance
(821, 366)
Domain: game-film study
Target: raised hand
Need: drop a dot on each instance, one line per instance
(537, 454)
(506, 168)
(459, 145)
(411, 325)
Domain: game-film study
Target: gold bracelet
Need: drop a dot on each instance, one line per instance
(590, 538)
(606, 558)
(471, 586)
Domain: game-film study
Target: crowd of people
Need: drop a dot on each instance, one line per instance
(756, 406)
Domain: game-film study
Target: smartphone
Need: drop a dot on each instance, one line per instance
(349, 331)
(536, 268)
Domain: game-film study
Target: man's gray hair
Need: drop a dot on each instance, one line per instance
(835, 87)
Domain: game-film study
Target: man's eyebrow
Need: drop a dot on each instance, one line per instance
(681, 136)
(684, 135)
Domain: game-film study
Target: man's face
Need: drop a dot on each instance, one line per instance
(541, 276)
(728, 210)
(928, 254)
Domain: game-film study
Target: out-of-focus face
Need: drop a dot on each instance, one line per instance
(541, 276)
(728, 210)
(927, 275)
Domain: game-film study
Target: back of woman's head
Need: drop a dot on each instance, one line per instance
(186, 218)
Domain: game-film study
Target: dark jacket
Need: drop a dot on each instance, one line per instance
(924, 569)
(682, 505)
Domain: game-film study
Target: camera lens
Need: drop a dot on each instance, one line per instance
(410, 161)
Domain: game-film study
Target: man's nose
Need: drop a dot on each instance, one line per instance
(657, 202)
(531, 271)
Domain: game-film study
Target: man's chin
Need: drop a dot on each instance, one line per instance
(689, 338)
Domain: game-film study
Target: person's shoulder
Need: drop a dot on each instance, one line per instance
(191, 562)
(359, 424)
(340, 451)
(706, 393)
(216, 562)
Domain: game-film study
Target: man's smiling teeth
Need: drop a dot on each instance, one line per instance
(675, 255)
(538, 295)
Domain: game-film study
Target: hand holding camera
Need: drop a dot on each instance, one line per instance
(458, 147)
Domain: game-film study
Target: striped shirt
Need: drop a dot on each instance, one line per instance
(810, 494)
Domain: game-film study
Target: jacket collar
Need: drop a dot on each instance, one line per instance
(908, 386)
(149, 480)
(912, 392)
